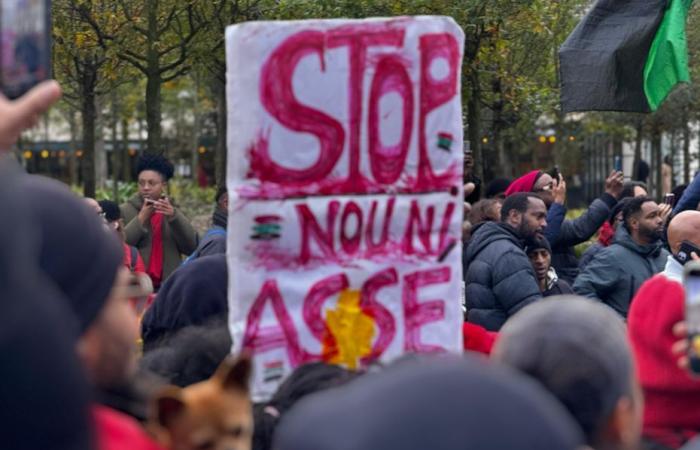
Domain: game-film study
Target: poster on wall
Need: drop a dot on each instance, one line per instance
(345, 178)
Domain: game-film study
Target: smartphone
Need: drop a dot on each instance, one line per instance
(691, 283)
(555, 173)
(617, 164)
(687, 248)
(669, 198)
(25, 45)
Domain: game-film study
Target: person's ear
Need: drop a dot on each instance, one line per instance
(622, 428)
(515, 216)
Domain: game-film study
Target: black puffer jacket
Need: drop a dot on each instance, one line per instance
(498, 276)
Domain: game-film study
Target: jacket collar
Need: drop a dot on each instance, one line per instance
(552, 278)
(623, 238)
(673, 270)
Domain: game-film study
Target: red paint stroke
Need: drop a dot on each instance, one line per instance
(310, 228)
(277, 96)
(387, 163)
(416, 225)
(417, 314)
(445, 228)
(374, 248)
(258, 339)
(434, 93)
(313, 311)
(358, 37)
(382, 316)
(351, 244)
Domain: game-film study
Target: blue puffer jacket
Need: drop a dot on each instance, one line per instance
(617, 272)
(498, 276)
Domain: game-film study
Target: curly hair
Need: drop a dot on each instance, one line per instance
(157, 163)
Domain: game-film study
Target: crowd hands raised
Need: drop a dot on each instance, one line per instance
(606, 369)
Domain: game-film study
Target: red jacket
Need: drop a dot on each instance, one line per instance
(117, 431)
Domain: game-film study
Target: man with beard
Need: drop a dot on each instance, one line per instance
(499, 278)
(617, 272)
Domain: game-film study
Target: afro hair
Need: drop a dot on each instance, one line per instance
(156, 163)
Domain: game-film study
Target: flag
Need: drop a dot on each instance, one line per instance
(625, 55)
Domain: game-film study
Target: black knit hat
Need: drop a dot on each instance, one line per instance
(538, 243)
(156, 163)
(76, 250)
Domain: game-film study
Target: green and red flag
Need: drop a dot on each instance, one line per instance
(625, 55)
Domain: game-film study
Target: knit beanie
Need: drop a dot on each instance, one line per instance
(523, 184)
(537, 244)
(194, 294)
(76, 250)
(671, 395)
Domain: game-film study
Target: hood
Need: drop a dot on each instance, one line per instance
(624, 239)
(487, 233)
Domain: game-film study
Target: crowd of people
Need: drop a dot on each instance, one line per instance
(104, 305)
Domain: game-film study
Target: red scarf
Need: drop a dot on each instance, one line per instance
(606, 234)
(155, 262)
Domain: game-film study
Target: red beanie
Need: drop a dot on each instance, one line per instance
(523, 184)
(672, 397)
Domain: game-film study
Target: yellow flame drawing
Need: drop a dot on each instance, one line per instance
(352, 329)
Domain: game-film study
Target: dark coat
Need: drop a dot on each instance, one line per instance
(179, 237)
(499, 278)
(574, 232)
(560, 287)
(589, 254)
(617, 272)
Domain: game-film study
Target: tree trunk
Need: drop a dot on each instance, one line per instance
(504, 163)
(126, 162)
(88, 112)
(474, 122)
(638, 148)
(686, 152)
(657, 157)
(116, 148)
(221, 131)
(153, 83)
(100, 151)
(72, 166)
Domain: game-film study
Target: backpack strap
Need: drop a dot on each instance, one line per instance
(134, 257)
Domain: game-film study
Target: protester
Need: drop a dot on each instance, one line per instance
(446, 403)
(606, 234)
(214, 241)
(488, 210)
(690, 200)
(191, 354)
(497, 188)
(540, 254)
(564, 234)
(578, 351)
(84, 260)
(153, 225)
(617, 272)
(634, 189)
(671, 416)
(304, 381)
(39, 369)
(499, 278)
(132, 257)
(195, 294)
(470, 177)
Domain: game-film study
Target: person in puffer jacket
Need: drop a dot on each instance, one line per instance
(499, 277)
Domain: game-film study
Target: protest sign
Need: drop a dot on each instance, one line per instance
(345, 179)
